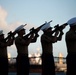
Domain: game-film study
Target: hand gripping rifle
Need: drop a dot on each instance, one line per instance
(32, 30)
(60, 28)
(11, 34)
(70, 21)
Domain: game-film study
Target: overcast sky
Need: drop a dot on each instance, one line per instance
(35, 12)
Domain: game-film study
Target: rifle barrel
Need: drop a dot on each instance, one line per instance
(35, 30)
(12, 34)
(59, 27)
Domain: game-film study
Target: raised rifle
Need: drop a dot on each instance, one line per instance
(11, 34)
(32, 30)
(60, 28)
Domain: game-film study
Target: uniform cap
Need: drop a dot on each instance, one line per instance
(1, 32)
(46, 26)
(72, 21)
(19, 28)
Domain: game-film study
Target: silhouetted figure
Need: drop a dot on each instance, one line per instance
(70, 39)
(22, 44)
(3, 53)
(47, 40)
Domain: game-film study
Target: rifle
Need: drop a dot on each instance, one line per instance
(11, 34)
(60, 28)
(32, 30)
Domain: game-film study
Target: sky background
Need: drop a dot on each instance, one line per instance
(34, 13)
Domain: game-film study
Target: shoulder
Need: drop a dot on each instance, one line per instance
(69, 33)
(18, 38)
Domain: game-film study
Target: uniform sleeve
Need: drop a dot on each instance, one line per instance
(20, 41)
(71, 36)
(3, 44)
(48, 39)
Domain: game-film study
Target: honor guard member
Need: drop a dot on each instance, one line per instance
(3, 53)
(22, 44)
(47, 40)
(70, 39)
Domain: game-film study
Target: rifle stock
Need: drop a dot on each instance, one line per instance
(32, 30)
(60, 28)
(10, 34)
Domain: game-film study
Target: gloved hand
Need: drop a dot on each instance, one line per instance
(36, 35)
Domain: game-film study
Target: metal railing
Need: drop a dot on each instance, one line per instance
(36, 62)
